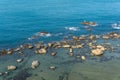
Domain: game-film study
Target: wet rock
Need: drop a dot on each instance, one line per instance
(6, 73)
(11, 67)
(83, 58)
(92, 37)
(10, 51)
(105, 37)
(17, 49)
(52, 67)
(20, 52)
(97, 52)
(22, 47)
(87, 23)
(70, 50)
(19, 60)
(1, 74)
(53, 53)
(78, 46)
(30, 46)
(66, 46)
(35, 64)
(50, 44)
(75, 38)
(3, 52)
(43, 33)
(70, 54)
(41, 51)
(38, 46)
(101, 47)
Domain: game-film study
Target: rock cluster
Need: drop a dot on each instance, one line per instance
(87, 23)
(98, 51)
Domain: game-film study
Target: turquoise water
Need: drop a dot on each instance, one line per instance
(20, 20)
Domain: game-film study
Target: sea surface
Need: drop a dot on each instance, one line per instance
(21, 21)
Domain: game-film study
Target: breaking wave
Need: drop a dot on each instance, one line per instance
(44, 34)
(116, 26)
(72, 28)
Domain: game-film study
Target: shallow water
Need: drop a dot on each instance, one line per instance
(68, 67)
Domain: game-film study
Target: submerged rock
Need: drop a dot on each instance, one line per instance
(83, 58)
(19, 60)
(35, 64)
(41, 51)
(38, 46)
(52, 67)
(53, 53)
(3, 52)
(70, 54)
(87, 23)
(1, 74)
(30, 46)
(10, 51)
(17, 49)
(70, 50)
(11, 67)
(22, 75)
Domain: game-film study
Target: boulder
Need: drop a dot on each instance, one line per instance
(53, 53)
(38, 46)
(83, 58)
(11, 67)
(42, 51)
(52, 67)
(30, 46)
(66, 46)
(35, 64)
(19, 60)
(97, 52)
(100, 47)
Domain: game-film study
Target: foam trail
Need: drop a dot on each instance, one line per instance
(72, 28)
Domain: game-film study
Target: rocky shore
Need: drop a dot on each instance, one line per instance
(88, 45)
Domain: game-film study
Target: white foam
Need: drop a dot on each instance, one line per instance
(116, 26)
(58, 34)
(72, 28)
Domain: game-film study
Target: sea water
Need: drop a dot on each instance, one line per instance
(20, 20)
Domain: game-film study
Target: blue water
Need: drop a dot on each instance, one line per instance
(22, 19)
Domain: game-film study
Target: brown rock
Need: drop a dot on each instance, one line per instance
(11, 67)
(97, 52)
(42, 51)
(35, 64)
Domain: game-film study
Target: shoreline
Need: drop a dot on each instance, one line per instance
(87, 49)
